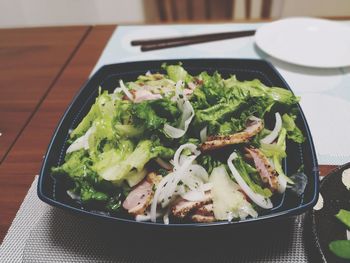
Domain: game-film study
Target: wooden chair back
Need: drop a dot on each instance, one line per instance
(202, 10)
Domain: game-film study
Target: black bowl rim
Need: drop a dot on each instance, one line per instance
(290, 212)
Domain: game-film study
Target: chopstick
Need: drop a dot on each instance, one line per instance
(161, 43)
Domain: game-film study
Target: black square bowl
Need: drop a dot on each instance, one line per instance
(52, 190)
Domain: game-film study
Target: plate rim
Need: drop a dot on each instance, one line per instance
(260, 30)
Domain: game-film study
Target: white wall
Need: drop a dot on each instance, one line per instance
(24, 13)
(315, 8)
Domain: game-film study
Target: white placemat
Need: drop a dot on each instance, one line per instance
(325, 93)
(41, 233)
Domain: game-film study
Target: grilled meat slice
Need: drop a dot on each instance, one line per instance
(254, 126)
(183, 207)
(141, 196)
(262, 164)
(142, 95)
(204, 214)
(205, 210)
(202, 219)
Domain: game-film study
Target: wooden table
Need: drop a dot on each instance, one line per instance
(41, 69)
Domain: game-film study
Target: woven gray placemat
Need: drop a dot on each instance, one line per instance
(41, 233)
(29, 213)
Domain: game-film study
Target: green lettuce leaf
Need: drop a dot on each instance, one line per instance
(177, 72)
(249, 175)
(113, 156)
(133, 161)
(277, 152)
(341, 248)
(255, 88)
(293, 132)
(144, 114)
(128, 130)
(76, 164)
(208, 162)
(103, 108)
(344, 217)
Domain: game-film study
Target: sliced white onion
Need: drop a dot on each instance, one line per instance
(282, 184)
(166, 218)
(163, 192)
(178, 90)
(164, 164)
(345, 178)
(187, 114)
(195, 196)
(82, 142)
(197, 193)
(182, 159)
(186, 118)
(192, 182)
(73, 195)
(125, 90)
(117, 90)
(170, 188)
(153, 211)
(180, 190)
(192, 175)
(207, 186)
(319, 204)
(142, 218)
(195, 180)
(115, 96)
(146, 217)
(168, 185)
(203, 134)
(199, 171)
(274, 134)
(190, 146)
(258, 199)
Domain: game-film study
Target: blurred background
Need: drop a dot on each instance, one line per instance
(34, 13)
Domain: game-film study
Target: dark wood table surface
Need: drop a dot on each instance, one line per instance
(41, 69)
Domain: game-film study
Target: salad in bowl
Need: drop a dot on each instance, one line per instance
(174, 147)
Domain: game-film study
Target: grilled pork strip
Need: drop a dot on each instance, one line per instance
(253, 127)
(183, 207)
(205, 210)
(262, 164)
(141, 196)
(204, 214)
(202, 219)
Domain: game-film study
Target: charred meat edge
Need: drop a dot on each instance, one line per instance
(204, 214)
(254, 126)
(203, 219)
(184, 207)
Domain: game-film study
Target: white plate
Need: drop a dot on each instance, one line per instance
(306, 41)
